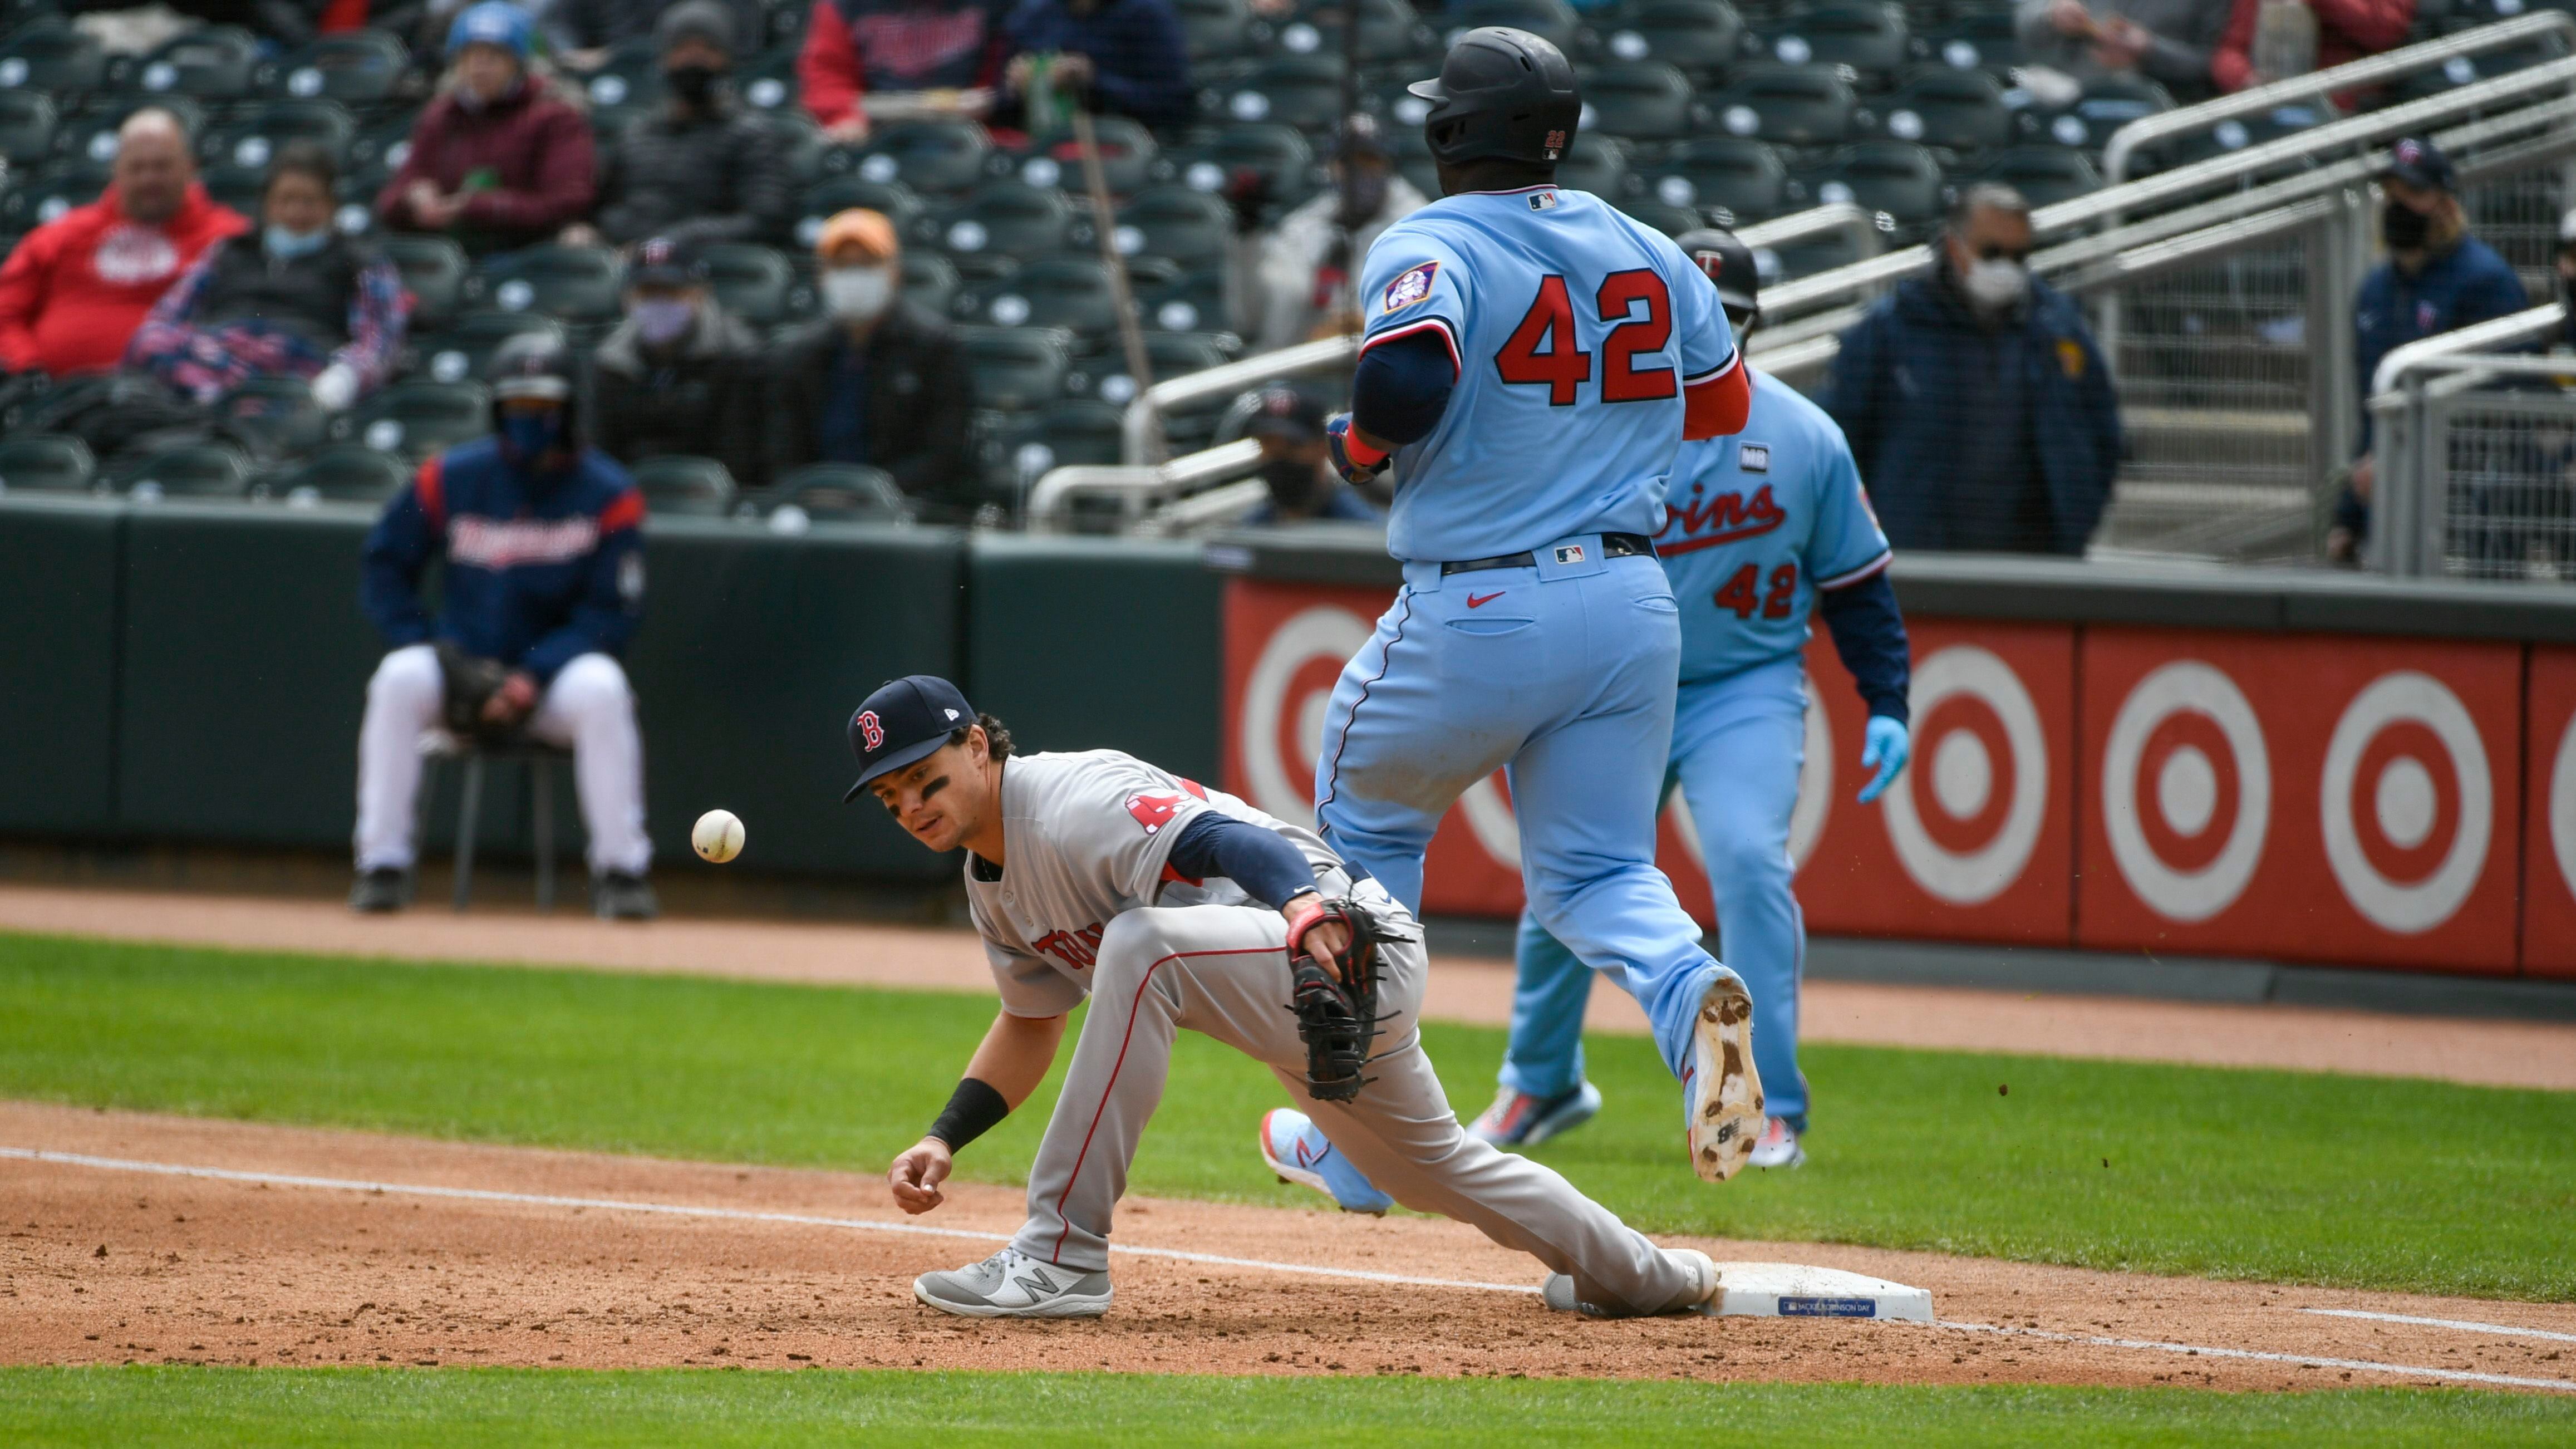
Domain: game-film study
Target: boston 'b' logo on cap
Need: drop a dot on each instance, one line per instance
(870, 730)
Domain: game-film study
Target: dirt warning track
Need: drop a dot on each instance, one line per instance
(319, 1247)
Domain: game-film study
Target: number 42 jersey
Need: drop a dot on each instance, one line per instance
(1575, 332)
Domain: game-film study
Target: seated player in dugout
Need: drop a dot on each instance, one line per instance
(1173, 906)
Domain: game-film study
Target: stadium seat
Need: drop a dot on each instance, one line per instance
(90, 134)
(197, 470)
(1011, 218)
(1073, 294)
(1104, 375)
(1304, 91)
(2045, 175)
(756, 284)
(1640, 100)
(1960, 111)
(378, 151)
(1018, 451)
(1865, 35)
(1127, 155)
(213, 63)
(358, 68)
(576, 285)
(1194, 303)
(457, 353)
(1016, 369)
(1806, 257)
(50, 193)
(891, 199)
(685, 486)
(767, 82)
(844, 493)
(1280, 155)
(1899, 180)
(1666, 218)
(336, 473)
(1214, 29)
(434, 268)
(251, 139)
(1701, 38)
(934, 158)
(1598, 164)
(47, 463)
(929, 280)
(1189, 228)
(417, 418)
(48, 55)
(1977, 40)
(1787, 105)
(1391, 31)
(277, 413)
(27, 122)
(628, 84)
(1553, 19)
(1744, 179)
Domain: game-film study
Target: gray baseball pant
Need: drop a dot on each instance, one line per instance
(1223, 971)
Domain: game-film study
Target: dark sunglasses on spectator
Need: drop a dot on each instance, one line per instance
(1992, 252)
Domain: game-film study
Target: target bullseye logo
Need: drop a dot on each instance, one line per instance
(1980, 733)
(2562, 806)
(1284, 702)
(2186, 790)
(2406, 802)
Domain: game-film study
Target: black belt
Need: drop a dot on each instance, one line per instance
(1613, 545)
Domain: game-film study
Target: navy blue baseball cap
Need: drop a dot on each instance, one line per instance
(2419, 163)
(903, 721)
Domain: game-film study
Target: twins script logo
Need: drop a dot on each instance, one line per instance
(870, 730)
(1724, 519)
(1077, 949)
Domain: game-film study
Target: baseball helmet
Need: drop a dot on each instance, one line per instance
(531, 365)
(1728, 263)
(1501, 93)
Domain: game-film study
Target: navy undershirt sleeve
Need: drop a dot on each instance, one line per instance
(1403, 386)
(1268, 866)
(1869, 634)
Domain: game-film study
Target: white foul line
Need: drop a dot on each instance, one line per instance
(873, 1225)
(747, 1215)
(2311, 1360)
(2463, 1324)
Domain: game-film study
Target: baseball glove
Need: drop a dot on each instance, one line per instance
(1335, 998)
(471, 681)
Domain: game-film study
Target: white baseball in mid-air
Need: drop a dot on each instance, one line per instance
(717, 835)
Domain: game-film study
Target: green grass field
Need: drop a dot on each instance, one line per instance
(466, 1407)
(2283, 1176)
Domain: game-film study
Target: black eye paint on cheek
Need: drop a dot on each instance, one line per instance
(933, 788)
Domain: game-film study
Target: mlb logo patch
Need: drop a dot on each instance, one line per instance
(1410, 286)
(1542, 200)
(1754, 457)
(1572, 553)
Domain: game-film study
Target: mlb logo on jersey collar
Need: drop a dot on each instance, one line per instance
(1542, 200)
(1753, 457)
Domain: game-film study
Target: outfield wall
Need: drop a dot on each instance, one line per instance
(2291, 766)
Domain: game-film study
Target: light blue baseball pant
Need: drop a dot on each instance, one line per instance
(1737, 746)
(1562, 674)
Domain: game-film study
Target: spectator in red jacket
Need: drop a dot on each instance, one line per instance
(2347, 30)
(77, 287)
(853, 47)
(499, 160)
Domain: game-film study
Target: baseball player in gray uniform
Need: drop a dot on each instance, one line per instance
(1171, 905)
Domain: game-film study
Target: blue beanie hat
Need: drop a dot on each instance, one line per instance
(493, 22)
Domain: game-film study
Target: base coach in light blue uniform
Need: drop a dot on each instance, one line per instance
(1761, 527)
(1533, 360)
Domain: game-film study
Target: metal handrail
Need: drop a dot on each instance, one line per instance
(1137, 485)
(2514, 327)
(2407, 536)
(2317, 85)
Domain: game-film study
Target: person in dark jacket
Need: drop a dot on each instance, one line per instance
(580, 33)
(702, 167)
(1976, 402)
(879, 381)
(680, 375)
(1128, 56)
(499, 160)
(541, 576)
(295, 299)
(2437, 279)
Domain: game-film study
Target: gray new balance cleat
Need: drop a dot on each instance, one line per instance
(380, 891)
(1011, 1284)
(617, 896)
(1700, 1297)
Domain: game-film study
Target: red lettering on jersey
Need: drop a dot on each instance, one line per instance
(1153, 811)
(1077, 949)
(1723, 519)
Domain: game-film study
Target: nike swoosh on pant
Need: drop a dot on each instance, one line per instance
(1476, 603)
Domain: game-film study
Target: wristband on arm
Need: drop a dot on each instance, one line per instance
(973, 1110)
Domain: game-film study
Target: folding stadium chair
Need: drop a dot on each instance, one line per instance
(434, 268)
(252, 138)
(278, 414)
(1009, 217)
(1898, 180)
(46, 463)
(1865, 35)
(1787, 105)
(1072, 294)
(935, 158)
(1598, 164)
(756, 284)
(1391, 31)
(27, 122)
(1960, 111)
(1743, 178)
(198, 470)
(211, 64)
(824, 199)
(929, 280)
(49, 193)
(48, 55)
(1016, 369)
(337, 473)
(1102, 374)
(685, 486)
(1215, 29)
(579, 286)
(90, 133)
(2045, 175)
(416, 418)
(1190, 228)
(844, 493)
(767, 82)
(1553, 19)
(357, 68)
(1643, 100)
(1128, 152)
(457, 352)
(1699, 37)
(1304, 91)
(1979, 39)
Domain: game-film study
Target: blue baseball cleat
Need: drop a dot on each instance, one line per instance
(1518, 1119)
(1293, 1148)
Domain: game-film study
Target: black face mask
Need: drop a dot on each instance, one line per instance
(2403, 227)
(692, 83)
(1293, 485)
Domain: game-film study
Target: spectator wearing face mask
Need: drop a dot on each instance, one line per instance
(75, 289)
(2437, 279)
(680, 375)
(1301, 283)
(878, 381)
(1288, 423)
(1975, 400)
(499, 160)
(702, 167)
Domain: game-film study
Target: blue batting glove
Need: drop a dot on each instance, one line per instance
(1349, 453)
(1887, 746)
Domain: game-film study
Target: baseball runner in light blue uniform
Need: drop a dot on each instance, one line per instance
(1534, 360)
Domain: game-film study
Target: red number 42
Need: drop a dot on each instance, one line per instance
(1542, 351)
